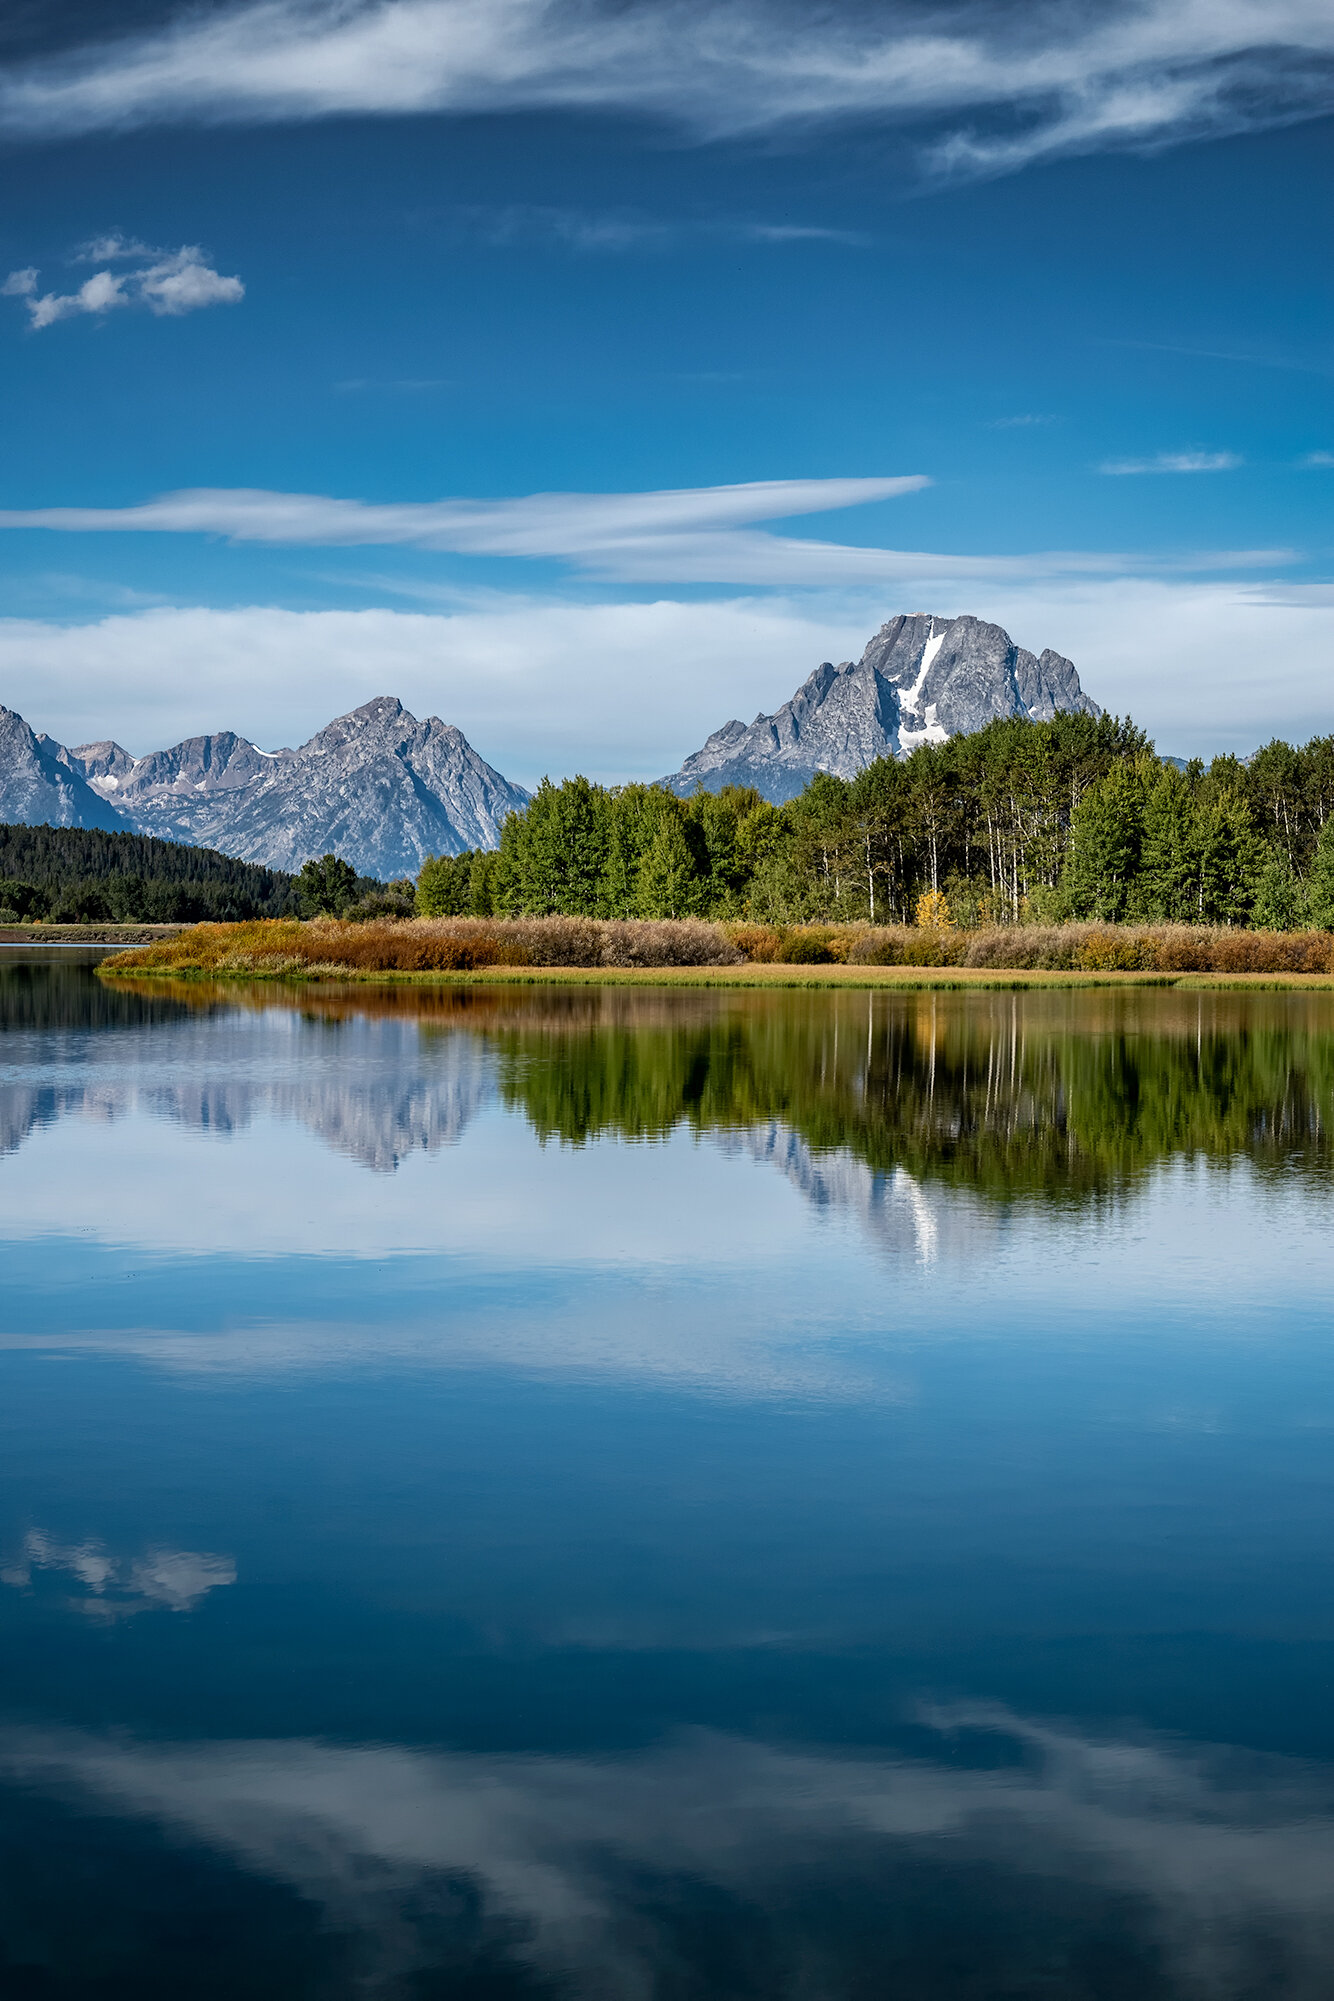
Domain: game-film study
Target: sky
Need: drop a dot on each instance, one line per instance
(586, 371)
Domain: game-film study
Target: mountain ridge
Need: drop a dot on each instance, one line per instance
(375, 785)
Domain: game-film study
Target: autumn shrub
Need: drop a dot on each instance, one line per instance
(934, 948)
(884, 945)
(1106, 949)
(762, 944)
(1024, 948)
(667, 941)
(1270, 952)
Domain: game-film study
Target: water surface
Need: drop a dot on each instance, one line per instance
(636, 1493)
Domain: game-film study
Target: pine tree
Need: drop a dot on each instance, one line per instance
(442, 886)
(1278, 898)
(668, 880)
(1168, 889)
(1228, 856)
(1107, 830)
(619, 895)
(1322, 879)
(326, 886)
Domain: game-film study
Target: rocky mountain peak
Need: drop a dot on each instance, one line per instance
(38, 789)
(921, 679)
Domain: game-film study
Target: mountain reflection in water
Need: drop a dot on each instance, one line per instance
(664, 1494)
(1058, 1095)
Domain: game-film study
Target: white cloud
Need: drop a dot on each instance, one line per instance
(1076, 78)
(1175, 462)
(688, 534)
(611, 689)
(168, 283)
(97, 294)
(621, 689)
(112, 247)
(183, 282)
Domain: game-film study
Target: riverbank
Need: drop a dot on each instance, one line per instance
(88, 934)
(692, 952)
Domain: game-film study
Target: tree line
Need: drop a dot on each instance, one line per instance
(81, 875)
(1073, 818)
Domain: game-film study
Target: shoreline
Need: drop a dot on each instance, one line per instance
(88, 934)
(900, 979)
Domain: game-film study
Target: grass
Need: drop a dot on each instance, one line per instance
(586, 951)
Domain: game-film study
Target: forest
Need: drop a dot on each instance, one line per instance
(1074, 819)
(80, 875)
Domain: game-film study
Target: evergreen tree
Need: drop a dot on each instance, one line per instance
(1278, 900)
(1107, 834)
(1322, 879)
(483, 882)
(1169, 887)
(1228, 857)
(442, 886)
(327, 886)
(668, 882)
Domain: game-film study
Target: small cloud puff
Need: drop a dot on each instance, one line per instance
(1175, 462)
(167, 282)
(1318, 459)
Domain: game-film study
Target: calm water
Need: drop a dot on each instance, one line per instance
(661, 1495)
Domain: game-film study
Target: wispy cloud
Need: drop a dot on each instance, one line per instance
(689, 535)
(1318, 459)
(702, 534)
(1174, 462)
(612, 230)
(1240, 356)
(165, 282)
(1010, 83)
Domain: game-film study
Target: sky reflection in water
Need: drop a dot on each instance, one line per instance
(665, 1493)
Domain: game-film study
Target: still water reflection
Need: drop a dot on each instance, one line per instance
(640, 1493)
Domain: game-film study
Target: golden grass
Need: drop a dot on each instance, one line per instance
(585, 950)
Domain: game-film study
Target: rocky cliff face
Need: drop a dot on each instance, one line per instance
(376, 786)
(38, 789)
(921, 679)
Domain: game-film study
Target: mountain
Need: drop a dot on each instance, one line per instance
(921, 679)
(37, 788)
(376, 786)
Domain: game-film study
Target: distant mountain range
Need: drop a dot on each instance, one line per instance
(384, 790)
(376, 786)
(921, 680)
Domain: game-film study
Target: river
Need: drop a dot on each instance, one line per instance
(643, 1495)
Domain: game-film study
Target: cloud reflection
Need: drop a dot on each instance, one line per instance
(1214, 1864)
(173, 1580)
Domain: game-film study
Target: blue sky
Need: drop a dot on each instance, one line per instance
(1058, 279)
